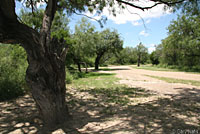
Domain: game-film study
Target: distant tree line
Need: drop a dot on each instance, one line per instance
(181, 47)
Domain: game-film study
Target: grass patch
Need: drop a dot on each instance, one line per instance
(195, 70)
(95, 80)
(172, 80)
(154, 68)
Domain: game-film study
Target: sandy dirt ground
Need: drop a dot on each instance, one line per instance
(165, 108)
(137, 78)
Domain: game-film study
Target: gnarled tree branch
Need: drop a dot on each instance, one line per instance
(138, 7)
(11, 30)
(157, 2)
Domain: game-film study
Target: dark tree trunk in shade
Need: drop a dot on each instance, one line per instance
(97, 62)
(139, 60)
(79, 67)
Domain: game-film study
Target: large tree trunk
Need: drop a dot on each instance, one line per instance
(46, 77)
(46, 58)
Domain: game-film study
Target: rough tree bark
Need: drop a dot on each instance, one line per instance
(45, 74)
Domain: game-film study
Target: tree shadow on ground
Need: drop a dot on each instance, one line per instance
(94, 113)
(19, 116)
(172, 114)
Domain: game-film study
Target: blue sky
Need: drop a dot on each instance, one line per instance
(130, 25)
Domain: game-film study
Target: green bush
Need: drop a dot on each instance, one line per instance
(10, 89)
(68, 78)
(12, 71)
(12, 82)
(73, 75)
(196, 68)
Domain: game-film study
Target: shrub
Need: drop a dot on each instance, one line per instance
(68, 78)
(12, 72)
(10, 89)
(12, 82)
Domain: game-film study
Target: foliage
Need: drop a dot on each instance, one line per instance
(182, 46)
(81, 49)
(92, 47)
(142, 53)
(126, 56)
(59, 28)
(12, 71)
(191, 7)
(154, 58)
(107, 44)
(130, 55)
(69, 77)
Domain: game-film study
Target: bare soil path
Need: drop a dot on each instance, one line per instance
(137, 78)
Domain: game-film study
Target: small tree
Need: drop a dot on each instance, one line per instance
(154, 57)
(82, 48)
(142, 53)
(106, 42)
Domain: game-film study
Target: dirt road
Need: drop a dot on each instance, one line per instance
(138, 78)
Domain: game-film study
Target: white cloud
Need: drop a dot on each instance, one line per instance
(151, 49)
(133, 15)
(144, 33)
(147, 21)
(136, 23)
(40, 4)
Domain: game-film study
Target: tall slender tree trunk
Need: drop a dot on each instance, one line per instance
(97, 62)
(79, 67)
(139, 60)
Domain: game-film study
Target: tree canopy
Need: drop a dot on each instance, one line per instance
(107, 41)
(182, 46)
